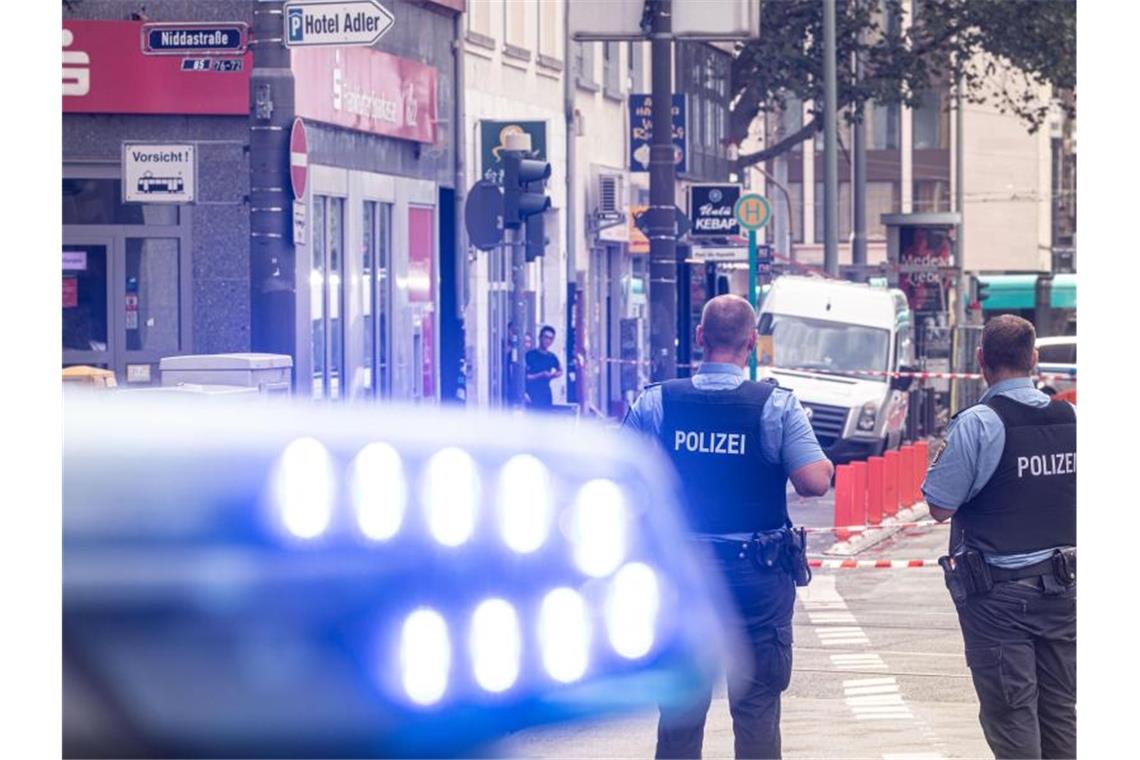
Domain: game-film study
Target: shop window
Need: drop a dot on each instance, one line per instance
(151, 307)
(100, 201)
(327, 296)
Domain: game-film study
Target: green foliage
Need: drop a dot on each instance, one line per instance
(946, 40)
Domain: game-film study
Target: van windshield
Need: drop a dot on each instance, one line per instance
(802, 343)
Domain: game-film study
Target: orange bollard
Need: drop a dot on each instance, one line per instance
(921, 464)
(842, 501)
(906, 475)
(875, 490)
(858, 493)
(891, 483)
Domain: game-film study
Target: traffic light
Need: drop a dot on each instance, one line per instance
(524, 191)
(535, 236)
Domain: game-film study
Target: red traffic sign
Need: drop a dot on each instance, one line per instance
(298, 158)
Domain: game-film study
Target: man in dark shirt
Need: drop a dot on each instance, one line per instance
(542, 366)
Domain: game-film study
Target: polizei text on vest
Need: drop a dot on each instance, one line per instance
(704, 442)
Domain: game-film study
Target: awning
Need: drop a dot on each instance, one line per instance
(1018, 291)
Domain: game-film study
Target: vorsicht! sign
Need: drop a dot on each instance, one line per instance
(315, 23)
(712, 210)
(159, 172)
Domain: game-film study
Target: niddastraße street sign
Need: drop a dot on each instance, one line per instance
(315, 23)
(226, 38)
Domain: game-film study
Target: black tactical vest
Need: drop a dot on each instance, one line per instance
(1030, 502)
(713, 438)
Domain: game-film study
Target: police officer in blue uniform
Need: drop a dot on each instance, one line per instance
(1006, 476)
(735, 444)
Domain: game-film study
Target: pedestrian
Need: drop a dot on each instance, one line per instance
(542, 366)
(1006, 476)
(734, 444)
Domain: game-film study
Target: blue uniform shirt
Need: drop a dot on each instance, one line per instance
(786, 436)
(970, 455)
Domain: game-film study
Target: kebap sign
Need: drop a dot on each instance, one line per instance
(159, 173)
(712, 209)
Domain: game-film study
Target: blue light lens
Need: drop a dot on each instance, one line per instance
(632, 605)
(451, 494)
(425, 656)
(379, 491)
(496, 645)
(305, 488)
(564, 634)
(525, 503)
(598, 528)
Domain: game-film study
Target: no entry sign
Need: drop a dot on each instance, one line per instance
(298, 158)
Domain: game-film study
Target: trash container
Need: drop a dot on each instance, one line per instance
(269, 373)
(89, 377)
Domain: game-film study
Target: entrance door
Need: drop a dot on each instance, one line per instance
(87, 330)
(122, 300)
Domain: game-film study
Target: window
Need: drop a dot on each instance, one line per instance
(883, 124)
(326, 290)
(1057, 353)
(514, 25)
(931, 195)
(636, 64)
(844, 211)
(702, 73)
(84, 297)
(931, 121)
(479, 19)
(825, 345)
(584, 65)
(881, 198)
(376, 297)
(611, 69)
(796, 196)
(100, 201)
(549, 32)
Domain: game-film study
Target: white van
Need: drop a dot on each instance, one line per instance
(826, 340)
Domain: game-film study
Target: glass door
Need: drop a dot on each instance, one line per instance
(86, 302)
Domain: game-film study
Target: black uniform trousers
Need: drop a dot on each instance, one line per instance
(1021, 646)
(764, 601)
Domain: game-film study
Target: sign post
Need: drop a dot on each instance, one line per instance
(753, 212)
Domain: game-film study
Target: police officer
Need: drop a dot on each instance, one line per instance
(734, 444)
(1006, 474)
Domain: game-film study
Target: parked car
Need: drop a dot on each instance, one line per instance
(1057, 356)
(834, 343)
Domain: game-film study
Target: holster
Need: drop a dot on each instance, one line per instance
(785, 550)
(795, 556)
(1065, 565)
(966, 574)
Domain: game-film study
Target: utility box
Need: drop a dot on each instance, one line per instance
(269, 373)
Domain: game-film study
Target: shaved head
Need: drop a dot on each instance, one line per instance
(727, 324)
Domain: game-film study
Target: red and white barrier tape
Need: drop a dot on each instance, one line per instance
(870, 564)
(860, 528)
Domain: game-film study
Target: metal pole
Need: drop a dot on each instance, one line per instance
(272, 257)
(830, 147)
(568, 89)
(662, 197)
(752, 294)
(859, 178)
(516, 247)
(959, 201)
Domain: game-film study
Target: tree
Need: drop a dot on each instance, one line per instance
(947, 40)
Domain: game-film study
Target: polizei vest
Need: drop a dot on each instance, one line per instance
(713, 438)
(1030, 502)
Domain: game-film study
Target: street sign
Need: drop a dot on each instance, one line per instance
(227, 38)
(300, 223)
(641, 132)
(483, 215)
(753, 211)
(719, 253)
(713, 208)
(298, 158)
(316, 23)
(158, 172)
(604, 219)
(681, 223)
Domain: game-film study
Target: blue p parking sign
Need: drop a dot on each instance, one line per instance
(296, 24)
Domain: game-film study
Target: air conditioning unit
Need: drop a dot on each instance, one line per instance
(609, 208)
(610, 193)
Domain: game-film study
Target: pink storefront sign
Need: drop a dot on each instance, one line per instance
(367, 90)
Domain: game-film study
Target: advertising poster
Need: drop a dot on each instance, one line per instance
(925, 247)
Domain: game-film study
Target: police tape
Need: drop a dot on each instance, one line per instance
(869, 372)
(883, 526)
(870, 564)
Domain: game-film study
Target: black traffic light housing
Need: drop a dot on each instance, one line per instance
(524, 191)
(535, 237)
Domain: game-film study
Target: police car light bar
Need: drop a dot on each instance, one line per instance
(284, 578)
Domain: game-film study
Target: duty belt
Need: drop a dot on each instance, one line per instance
(780, 550)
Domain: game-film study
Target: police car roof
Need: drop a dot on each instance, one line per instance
(831, 300)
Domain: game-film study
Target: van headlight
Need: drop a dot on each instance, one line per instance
(867, 416)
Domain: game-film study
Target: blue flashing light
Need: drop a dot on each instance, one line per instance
(289, 579)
